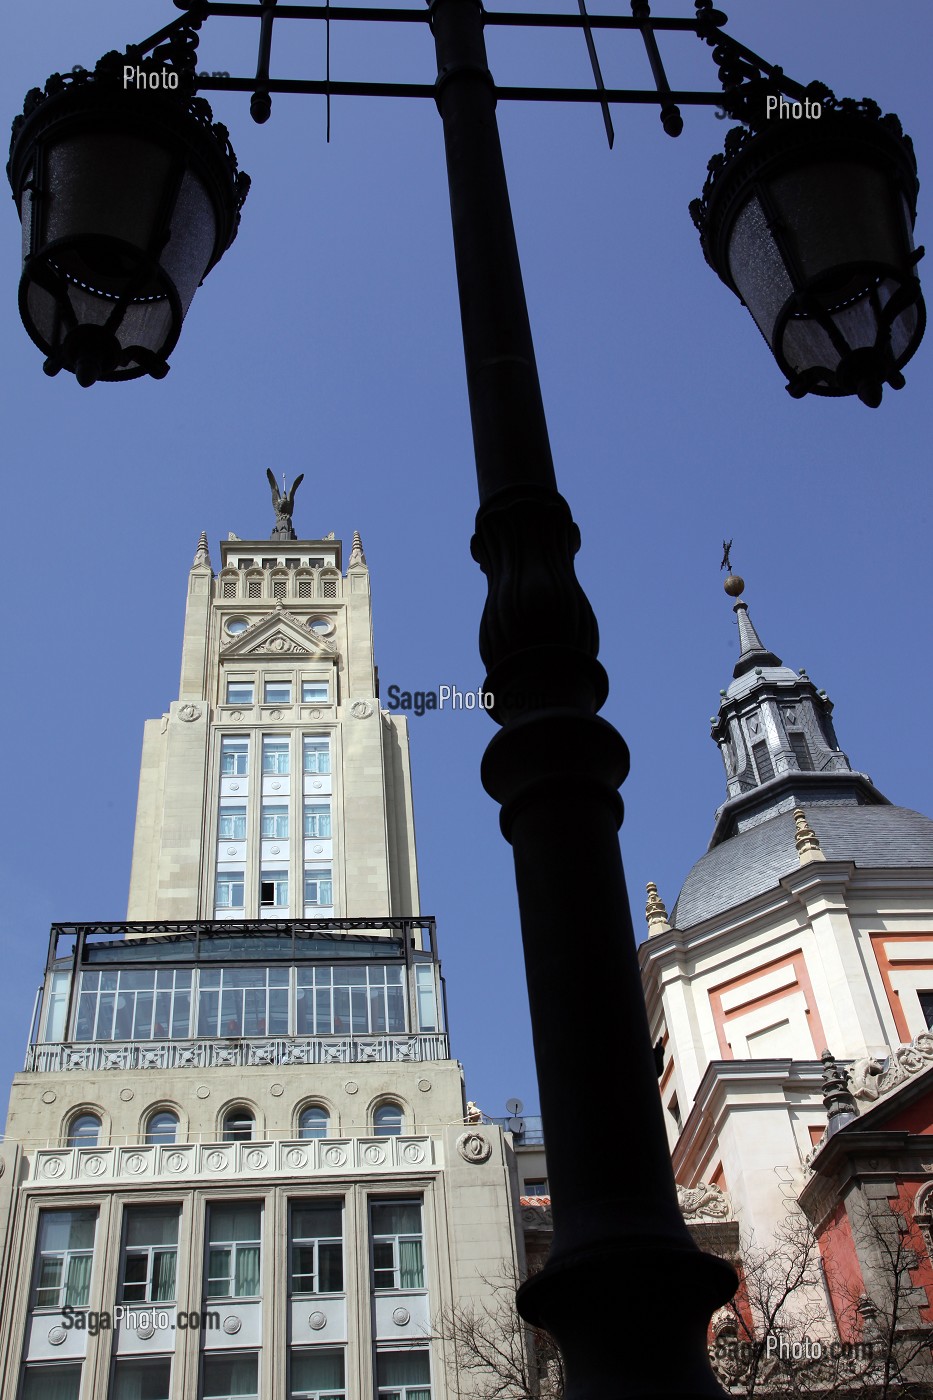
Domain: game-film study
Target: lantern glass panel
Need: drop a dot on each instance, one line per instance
(837, 214)
(756, 267)
(191, 242)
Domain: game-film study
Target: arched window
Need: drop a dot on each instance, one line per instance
(313, 1122)
(162, 1126)
(84, 1131)
(238, 1125)
(387, 1120)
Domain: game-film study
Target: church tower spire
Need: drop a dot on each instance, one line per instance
(775, 734)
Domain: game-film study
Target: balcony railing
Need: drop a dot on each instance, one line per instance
(55, 1058)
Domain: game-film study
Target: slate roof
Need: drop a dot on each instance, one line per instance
(743, 866)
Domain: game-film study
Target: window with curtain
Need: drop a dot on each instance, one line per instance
(84, 1131)
(317, 1246)
(313, 1122)
(273, 889)
(239, 1125)
(319, 887)
(233, 1254)
(52, 1382)
(317, 1374)
(404, 1375)
(230, 890)
(162, 1127)
(228, 1377)
(275, 756)
(388, 1120)
(148, 1379)
(234, 757)
(150, 1254)
(397, 1243)
(316, 755)
(275, 821)
(317, 820)
(231, 824)
(64, 1257)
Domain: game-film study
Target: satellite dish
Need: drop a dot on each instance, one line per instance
(516, 1126)
(513, 1106)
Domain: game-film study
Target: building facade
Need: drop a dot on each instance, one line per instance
(236, 1163)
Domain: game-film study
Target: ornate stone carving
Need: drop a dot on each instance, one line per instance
(473, 1147)
(871, 1078)
(189, 713)
(702, 1202)
(362, 709)
(805, 839)
(56, 1336)
(232, 1325)
(656, 911)
(401, 1317)
(317, 1320)
(357, 557)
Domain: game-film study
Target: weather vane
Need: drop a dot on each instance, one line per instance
(726, 561)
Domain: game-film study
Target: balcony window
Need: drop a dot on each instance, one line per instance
(64, 1258)
(403, 1375)
(234, 758)
(397, 1243)
(275, 821)
(316, 755)
(233, 1255)
(275, 756)
(317, 1247)
(56, 1006)
(313, 1122)
(427, 997)
(317, 1374)
(317, 821)
(388, 1120)
(162, 1127)
(239, 1125)
(134, 1004)
(150, 1255)
(240, 692)
(149, 1379)
(277, 692)
(232, 822)
(229, 1377)
(315, 692)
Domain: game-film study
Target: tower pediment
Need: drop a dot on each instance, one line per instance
(276, 635)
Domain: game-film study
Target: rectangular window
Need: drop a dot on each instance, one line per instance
(317, 1374)
(245, 563)
(273, 889)
(403, 1375)
(342, 1000)
(270, 563)
(275, 821)
(398, 1248)
(801, 748)
(243, 1001)
(56, 1006)
(64, 1258)
(427, 997)
(536, 1186)
(317, 1247)
(52, 1382)
(926, 1006)
(240, 692)
(231, 825)
(317, 755)
(234, 758)
(763, 762)
(319, 888)
(150, 1254)
(315, 692)
(149, 1379)
(233, 1251)
(134, 1004)
(275, 756)
(317, 820)
(231, 1377)
(231, 889)
(277, 692)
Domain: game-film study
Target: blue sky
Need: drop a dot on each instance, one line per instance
(327, 341)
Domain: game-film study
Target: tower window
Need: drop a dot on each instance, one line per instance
(388, 1119)
(230, 889)
(238, 1125)
(138, 1380)
(275, 756)
(317, 755)
(234, 758)
(150, 1255)
(319, 888)
(273, 889)
(317, 820)
(278, 693)
(315, 692)
(317, 1247)
(763, 762)
(239, 692)
(232, 822)
(162, 1127)
(231, 1377)
(233, 1257)
(84, 1131)
(275, 821)
(398, 1248)
(270, 563)
(313, 1122)
(64, 1258)
(403, 1375)
(64, 1382)
(317, 1374)
(801, 750)
(245, 563)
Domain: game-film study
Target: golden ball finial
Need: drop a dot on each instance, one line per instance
(734, 585)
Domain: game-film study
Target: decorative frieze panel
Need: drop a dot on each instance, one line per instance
(220, 1161)
(204, 1054)
(872, 1078)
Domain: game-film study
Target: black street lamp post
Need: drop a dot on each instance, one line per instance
(625, 1291)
